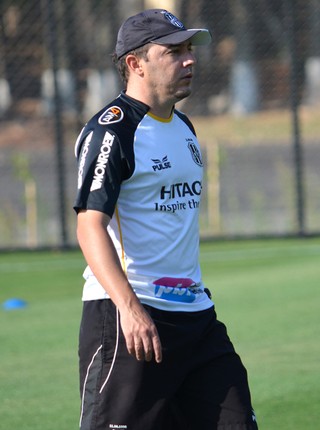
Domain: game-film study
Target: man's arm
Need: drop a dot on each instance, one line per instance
(139, 330)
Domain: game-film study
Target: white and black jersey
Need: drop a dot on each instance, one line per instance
(146, 174)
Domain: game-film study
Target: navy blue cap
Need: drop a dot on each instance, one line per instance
(157, 26)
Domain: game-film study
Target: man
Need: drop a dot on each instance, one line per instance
(152, 354)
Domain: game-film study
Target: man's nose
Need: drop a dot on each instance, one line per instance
(190, 59)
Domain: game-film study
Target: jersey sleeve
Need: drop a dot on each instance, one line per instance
(102, 166)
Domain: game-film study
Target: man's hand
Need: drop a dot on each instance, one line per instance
(141, 334)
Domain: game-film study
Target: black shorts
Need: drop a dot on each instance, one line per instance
(200, 383)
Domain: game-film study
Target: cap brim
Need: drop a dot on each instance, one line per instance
(197, 36)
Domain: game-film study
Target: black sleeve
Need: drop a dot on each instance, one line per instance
(102, 166)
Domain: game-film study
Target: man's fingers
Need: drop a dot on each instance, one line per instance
(157, 348)
(142, 337)
(151, 347)
(149, 350)
(130, 346)
(154, 347)
(139, 350)
(148, 354)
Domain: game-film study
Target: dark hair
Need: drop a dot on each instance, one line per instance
(121, 64)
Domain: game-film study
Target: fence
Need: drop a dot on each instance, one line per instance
(255, 105)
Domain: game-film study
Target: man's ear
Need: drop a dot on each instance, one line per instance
(134, 64)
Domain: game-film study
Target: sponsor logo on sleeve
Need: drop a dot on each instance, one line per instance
(83, 157)
(102, 161)
(111, 115)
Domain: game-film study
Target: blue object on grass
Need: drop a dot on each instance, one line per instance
(14, 303)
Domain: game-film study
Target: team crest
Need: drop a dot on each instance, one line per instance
(111, 115)
(196, 155)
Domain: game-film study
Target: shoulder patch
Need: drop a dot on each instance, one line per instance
(195, 153)
(111, 115)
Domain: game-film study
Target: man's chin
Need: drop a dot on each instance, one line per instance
(182, 94)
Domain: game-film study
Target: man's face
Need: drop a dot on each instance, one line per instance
(169, 70)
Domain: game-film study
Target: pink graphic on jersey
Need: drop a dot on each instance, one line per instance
(175, 282)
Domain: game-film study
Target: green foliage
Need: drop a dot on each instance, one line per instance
(267, 293)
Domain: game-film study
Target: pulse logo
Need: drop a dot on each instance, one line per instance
(161, 164)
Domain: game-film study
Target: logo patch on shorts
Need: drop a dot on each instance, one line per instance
(118, 426)
(111, 115)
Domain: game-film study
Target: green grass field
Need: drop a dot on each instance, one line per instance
(267, 292)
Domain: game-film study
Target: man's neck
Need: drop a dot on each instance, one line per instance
(157, 108)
